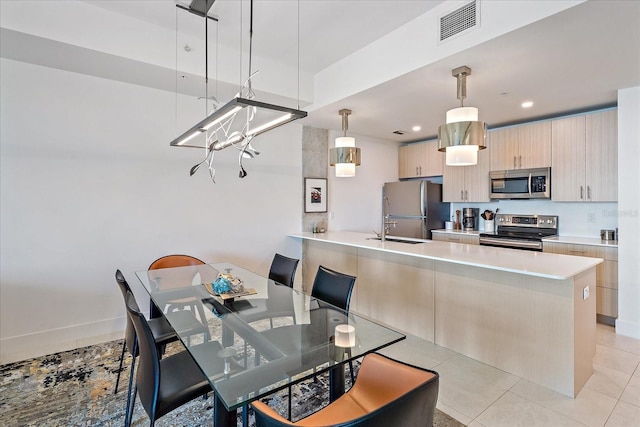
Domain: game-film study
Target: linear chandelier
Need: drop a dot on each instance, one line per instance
(236, 123)
(462, 135)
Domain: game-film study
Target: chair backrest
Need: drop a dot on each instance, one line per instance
(148, 376)
(171, 261)
(333, 287)
(129, 332)
(283, 269)
(391, 393)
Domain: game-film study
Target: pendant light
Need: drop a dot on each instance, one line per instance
(345, 156)
(241, 119)
(463, 135)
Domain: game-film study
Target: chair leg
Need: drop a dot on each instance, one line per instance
(124, 344)
(133, 405)
(127, 420)
(245, 415)
(289, 407)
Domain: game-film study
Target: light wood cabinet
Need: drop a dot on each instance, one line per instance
(606, 273)
(520, 147)
(469, 239)
(420, 160)
(585, 158)
(467, 183)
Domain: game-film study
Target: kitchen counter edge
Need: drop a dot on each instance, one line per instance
(540, 264)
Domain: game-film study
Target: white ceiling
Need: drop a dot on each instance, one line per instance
(571, 61)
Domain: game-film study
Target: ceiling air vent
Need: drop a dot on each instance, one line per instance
(399, 132)
(459, 21)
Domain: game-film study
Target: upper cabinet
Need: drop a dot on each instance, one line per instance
(585, 158)
(521, 147)
(420, 160)
(468, 183)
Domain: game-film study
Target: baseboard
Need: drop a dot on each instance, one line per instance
(23, 347)
(626, 328)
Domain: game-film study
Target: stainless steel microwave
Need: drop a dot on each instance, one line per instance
(520, 184)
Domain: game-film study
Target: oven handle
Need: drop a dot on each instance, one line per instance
(511, 243)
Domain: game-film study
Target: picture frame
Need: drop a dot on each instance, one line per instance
(315, 194)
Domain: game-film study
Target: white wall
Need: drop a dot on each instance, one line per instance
(355, 203)
(89, 184)
(628, 322)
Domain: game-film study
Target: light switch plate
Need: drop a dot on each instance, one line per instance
(585, 292)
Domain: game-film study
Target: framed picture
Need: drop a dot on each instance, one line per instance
(315, 195)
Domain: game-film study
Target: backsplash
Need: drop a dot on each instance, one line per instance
(575, 219)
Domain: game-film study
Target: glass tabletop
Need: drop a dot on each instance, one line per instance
(262, 342)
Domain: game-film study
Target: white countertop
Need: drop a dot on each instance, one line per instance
(591, 241)
(540, 264)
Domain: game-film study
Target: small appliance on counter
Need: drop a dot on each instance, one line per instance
(521, 231)
(607, 235)
(470, 218)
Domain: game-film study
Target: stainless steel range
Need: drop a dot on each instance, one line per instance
(521, 231)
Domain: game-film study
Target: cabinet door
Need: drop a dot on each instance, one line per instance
(601, 147)
(434, 159)
(404, 170)
(534, 145)
(568, 159)
(477, 177)
(453, 183)
(504, 148)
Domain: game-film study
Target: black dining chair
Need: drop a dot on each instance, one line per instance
(329, 286)
(166, 384)
(161, 330)
(333, 287)
(283, 269)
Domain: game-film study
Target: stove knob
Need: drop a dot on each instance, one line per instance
(549, 221)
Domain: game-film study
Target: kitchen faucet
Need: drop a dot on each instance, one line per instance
(386, 224)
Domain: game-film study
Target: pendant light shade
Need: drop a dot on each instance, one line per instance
(345, 156)
(462, 135)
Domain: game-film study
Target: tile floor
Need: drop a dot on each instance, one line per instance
(479, 395)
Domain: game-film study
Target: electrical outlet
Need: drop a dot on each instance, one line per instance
(591, 218)
(585, 292)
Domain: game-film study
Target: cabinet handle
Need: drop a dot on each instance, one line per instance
(466, 195)
(581, 192)
(420, 170)
(416, 171)
(520, 160)
(577, 252)
(588, 192)
(514, 162)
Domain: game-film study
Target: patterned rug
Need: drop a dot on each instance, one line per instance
(77, 388)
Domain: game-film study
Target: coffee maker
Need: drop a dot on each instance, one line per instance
(470, 218)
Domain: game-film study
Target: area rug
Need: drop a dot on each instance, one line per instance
(76, 388)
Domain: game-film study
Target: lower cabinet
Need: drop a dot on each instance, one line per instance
(606, 274)
(468, 238)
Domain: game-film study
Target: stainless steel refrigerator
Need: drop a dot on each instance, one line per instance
(414, 207)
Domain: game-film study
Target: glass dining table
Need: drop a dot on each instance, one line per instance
(271, 338)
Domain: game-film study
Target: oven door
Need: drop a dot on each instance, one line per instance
(502, 242)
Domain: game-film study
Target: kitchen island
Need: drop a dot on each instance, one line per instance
(527, 313)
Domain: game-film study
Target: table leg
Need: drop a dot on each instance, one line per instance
(336, 382)
(221, 416)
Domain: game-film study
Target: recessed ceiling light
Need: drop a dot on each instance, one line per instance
(416, 128)
(527, 104)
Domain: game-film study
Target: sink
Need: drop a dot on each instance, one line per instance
(395, 239)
